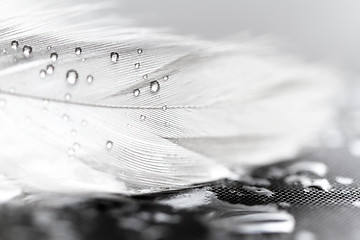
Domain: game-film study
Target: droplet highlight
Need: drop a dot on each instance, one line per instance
(54, 56)
(136, 92)
(14, 45)
(42, 73)
(78, 51)
(89, 79)
(50, 69)
(27, 50)
(114, 57)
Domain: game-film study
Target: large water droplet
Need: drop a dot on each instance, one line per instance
(109, 145)
(114, 57)
(50, 69)
(42, 73)
(137, 65)
(139, 51)
(72, 77)
(89, 79)
(27, 50)
(154, 86)
(15, 44)
(136, 92)
(54, 56)
(78, 51)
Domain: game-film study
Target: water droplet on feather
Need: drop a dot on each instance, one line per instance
(154, 86)
(54, 56)
(90, 79)
(15, 44)
(50, 69)
(78, 51)
(42, 73)
(114, 57)
(136, 92)
(72, 77)
(27, 50)
(109, 145)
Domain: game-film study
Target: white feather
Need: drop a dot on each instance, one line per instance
(220, 105)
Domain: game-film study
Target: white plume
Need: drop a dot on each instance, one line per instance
(170, 112)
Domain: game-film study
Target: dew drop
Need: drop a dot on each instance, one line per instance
(142, 118)
(114, 57)
(27, 50)
(137, 65)
(89, 79)
(4, 51)
(164, 108)
(78, 51)
(145, 76)
(67, 96)
(48, 48)
(71, 77)
(42, 73)
(136, 92)
(166, 78)
(154, 86)
(54, 56)
(50, 69)
(109, 145)
(15, 44)
(139, 51)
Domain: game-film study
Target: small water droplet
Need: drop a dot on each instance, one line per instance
(48, 48)
(76, 146)
(84, 123)
(83, 60)
(166, 78)
(54, 56)
(15, 44)
(78, 51)
(137, 65)
(72, 77)
(4, 51)
(145, 76)
(139, 51)
(136, 92)
(50, 69)
(65, 117)
(42, 73)
(114, 57)
(154, 86)
(89, 79)
(142, 118)
(67, 96)
(2, 103)
(109, 145)
(27, 50)
(164, 108)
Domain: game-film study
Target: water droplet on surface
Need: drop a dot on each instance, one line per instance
(48, 48)
(114, 57)
(72, 77)
(42, 73)
(109, 145)
(65, 117)
(15, 44)
(4, 51)
(142, 118)
(50, 69)
(27, 50)
(54, 56)
(67, 96)
(344, 180)
(145, 76)
(154, 86)
(139, 51)
(136, 92)
(78, 51)
(2, 103)
(166, 78)
(89, 79)
(137, 65)
(164, 108)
